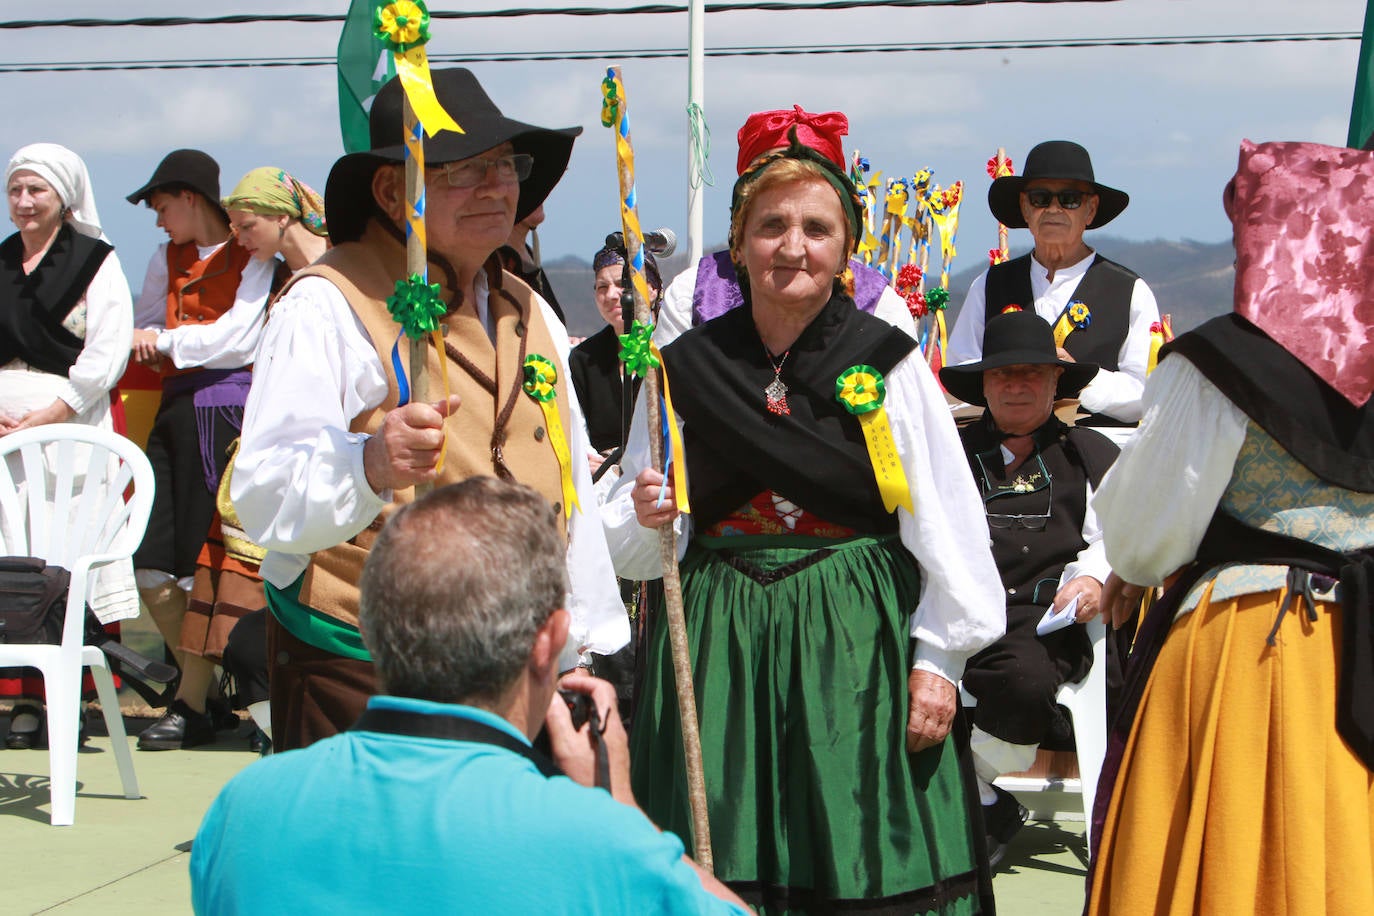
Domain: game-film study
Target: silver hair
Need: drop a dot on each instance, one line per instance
(455, 588)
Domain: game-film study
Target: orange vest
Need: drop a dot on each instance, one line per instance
(199, 292)
(365, 272)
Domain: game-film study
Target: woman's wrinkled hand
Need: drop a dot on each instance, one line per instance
(650, 512)
(932, 707)
(1120, 599)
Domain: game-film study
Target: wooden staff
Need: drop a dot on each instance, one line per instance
(416, 260)
(667, 537)
(1002, 168)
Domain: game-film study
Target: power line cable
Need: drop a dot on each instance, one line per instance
(671, 53)
(780, 6)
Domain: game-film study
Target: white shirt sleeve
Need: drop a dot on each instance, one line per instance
(1118, 394)
(109, 337)
(961, 608)
(634, 548)
(599, 623)
(230, 341)
(1158, 498)
(966, 339)
(892, 309)
(298, 483)
(151, 309)
(1092, 559)
(675, 311)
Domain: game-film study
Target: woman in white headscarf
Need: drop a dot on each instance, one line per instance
(66, 328)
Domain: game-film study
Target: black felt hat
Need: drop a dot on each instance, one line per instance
(1018, 338)
(1060, 159)
(348, 192)
(183, 167)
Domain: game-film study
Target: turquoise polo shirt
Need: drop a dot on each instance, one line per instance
(366, 822)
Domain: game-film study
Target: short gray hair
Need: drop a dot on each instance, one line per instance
(455, 588)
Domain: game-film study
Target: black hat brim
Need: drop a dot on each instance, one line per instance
(348, 201)
(965, 382)
(1004, 200)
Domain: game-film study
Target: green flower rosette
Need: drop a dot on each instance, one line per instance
(416, 306)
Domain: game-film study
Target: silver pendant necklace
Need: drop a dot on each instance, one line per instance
(775, 394)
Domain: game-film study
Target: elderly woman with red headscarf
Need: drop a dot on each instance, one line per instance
(1243, 763)
(831, 600)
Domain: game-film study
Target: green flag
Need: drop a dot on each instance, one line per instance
(1362, 109)
(364, 66)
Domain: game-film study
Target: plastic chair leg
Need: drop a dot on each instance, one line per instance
(114, 725)
(64, 709)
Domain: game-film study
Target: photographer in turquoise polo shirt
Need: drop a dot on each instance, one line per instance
(436, 801)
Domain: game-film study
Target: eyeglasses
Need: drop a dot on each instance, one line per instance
(1029, 522)
(1069, 198)
(471, 172)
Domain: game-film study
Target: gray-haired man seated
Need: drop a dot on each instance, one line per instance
(436, 801)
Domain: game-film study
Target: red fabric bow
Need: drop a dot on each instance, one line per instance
(765, 130)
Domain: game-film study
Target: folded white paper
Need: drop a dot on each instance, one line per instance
(1057, 620)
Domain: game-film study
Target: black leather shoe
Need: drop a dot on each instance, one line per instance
(31, 738)
(1002, 819)
(180, 728)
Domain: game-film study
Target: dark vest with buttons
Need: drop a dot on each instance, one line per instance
(1106, 289)
(1031, 562)
(366, 272)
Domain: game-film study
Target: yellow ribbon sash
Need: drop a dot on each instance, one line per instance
(861, 390)
(1076, 317)
(674, 438)
(404, 26)
(540, 378)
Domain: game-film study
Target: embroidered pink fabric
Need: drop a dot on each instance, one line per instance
(1303, 216)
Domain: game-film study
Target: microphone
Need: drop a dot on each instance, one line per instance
(659, 242)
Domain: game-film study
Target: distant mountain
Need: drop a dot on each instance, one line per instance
(1191, 280)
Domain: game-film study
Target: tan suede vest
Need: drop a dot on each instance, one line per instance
(366, 272)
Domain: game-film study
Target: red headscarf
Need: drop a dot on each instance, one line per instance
(765, 130)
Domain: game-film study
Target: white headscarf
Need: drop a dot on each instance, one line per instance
(64, 170)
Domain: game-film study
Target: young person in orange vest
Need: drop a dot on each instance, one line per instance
(199, 317)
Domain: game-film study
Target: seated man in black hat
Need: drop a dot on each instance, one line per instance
(332, 441)
(199, 317)
(1100, 311)
(1037, 477)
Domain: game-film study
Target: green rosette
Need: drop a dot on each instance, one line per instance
(416, 306)
(937, 298)
(540, 376)
(636, 349)
(860, 389)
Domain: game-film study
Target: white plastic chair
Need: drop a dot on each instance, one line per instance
(75, 517)
(1086, 701)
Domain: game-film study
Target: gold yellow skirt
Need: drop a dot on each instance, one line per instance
(1236, 795)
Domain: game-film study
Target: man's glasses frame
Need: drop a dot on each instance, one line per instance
(1029, 522)
(1069, 198)
(469, 173)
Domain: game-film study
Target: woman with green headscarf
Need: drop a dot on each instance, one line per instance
(273, 213)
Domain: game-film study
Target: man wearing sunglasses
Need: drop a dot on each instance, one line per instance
(1101, 312)
(1037, 476)
(333, 443)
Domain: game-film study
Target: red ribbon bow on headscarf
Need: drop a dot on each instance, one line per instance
(765, 130)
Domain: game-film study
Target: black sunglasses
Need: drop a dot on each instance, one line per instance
(1069, 198)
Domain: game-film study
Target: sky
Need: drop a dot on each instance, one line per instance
(1162, 123)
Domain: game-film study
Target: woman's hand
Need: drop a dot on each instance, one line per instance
(648, 510)
(1120, 599)
(1089, 593)
(931, 712)
(144, 350)
(56, 412)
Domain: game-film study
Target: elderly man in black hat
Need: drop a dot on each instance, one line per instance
(332, 443)
(1036, 476)
(1100, 311)
(199, 316)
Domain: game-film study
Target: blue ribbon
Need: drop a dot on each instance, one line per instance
(402, 386)
(667, 448)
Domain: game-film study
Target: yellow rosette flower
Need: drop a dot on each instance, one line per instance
(541, 379)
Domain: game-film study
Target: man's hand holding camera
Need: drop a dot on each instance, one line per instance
(574, 750)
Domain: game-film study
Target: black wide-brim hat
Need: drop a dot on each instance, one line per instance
(1059, 159)
(184, 168)
(1015, 339)
(348, 192)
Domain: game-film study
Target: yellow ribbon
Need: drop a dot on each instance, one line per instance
(443, 373)
(674, 438)
(413, 68)
(887, 464)
(541, 376)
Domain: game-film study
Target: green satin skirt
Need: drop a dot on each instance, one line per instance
(800, 651)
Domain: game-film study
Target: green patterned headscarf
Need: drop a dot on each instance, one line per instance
(271, 190)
